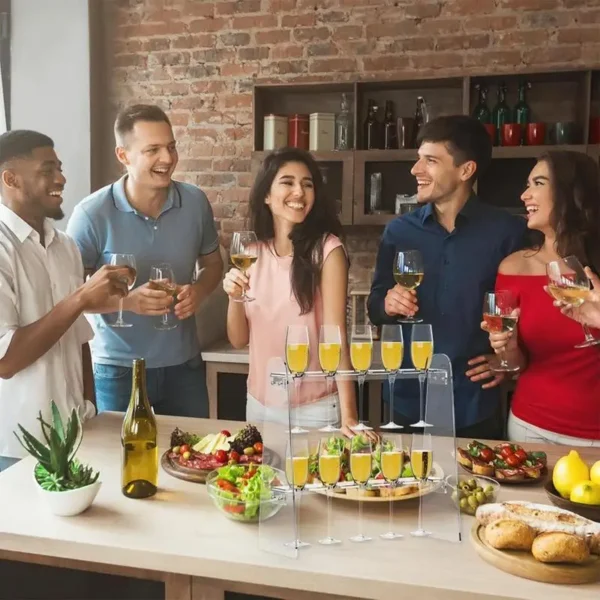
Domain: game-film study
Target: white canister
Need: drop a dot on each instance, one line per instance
(275, 132)
(322, 131)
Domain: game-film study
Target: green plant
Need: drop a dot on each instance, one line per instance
(58, 470)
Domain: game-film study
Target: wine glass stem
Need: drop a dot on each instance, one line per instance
(420, 526)
(329, 494)
(298, 496)
(391, 380)
(421, 392)
(329, 383)
(297, 399)
(361, 385)
(588, 334)
(503, 362)
(392, 487)
(120, 319)
(360, 513)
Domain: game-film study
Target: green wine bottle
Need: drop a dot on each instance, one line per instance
(482, 112)
(501, 112)
(139, 478)
(522, 110)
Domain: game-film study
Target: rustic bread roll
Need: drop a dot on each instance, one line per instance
(557, 547)
(510, 535)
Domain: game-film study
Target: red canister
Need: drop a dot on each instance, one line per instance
(298, 131)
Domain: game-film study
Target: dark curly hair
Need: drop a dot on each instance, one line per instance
(307, 237)
(575, 180)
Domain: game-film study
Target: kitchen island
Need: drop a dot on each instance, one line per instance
(180, 538)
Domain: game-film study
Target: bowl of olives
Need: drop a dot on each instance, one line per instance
(471, 491)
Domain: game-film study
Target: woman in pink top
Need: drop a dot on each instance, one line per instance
(300, 278)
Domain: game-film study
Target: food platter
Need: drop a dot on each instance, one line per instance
(544, 472)
(523, 564)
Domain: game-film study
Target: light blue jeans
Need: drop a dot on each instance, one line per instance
(179, 391)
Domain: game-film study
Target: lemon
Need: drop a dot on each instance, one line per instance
(586, 492)
(568, 472)
(595, 472)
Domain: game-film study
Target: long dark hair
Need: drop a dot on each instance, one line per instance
(575, 218)
(307, 237)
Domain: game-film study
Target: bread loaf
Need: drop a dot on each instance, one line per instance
(557, 547)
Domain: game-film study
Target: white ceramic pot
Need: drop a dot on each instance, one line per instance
(71, 502)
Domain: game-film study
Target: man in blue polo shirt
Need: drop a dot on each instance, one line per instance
(158, 220)
(462, 240)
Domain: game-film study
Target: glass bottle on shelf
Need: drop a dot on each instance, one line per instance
(501, 112)
(343, 126)
(522, 110)
(421, 116)
(390, 140)
(372, 127)
(482, 112)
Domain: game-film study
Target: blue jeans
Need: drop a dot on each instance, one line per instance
(179, 391)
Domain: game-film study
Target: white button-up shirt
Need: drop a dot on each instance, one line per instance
(33, 279)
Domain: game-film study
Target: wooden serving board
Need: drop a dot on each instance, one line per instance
(522, 564)
(186, 473)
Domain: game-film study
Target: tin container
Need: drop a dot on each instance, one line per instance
(322, 132)
(298, 131)
(275, 132)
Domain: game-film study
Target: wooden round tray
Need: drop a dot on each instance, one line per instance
(510, 481)
(587, 511)
(522, 564)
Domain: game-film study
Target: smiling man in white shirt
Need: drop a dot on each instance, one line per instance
(44, 353)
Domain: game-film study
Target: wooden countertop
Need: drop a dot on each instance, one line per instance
(179, 531)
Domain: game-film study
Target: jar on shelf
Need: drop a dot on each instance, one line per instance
(275, 132)
(298, 131)
(322, 131)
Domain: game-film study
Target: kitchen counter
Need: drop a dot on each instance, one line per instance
(180, 538)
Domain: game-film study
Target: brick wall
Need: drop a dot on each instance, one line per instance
(199, 59)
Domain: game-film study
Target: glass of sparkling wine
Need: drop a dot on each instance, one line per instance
(501, 315)
(421, 461)
(330, 467)
(296, 473)
(421, 350)
(361, 355)
(360, 469)
(568, 283)
(392, 353)
(408, 273)
(296, 354)
(125, 260)
(244, 247)
(162, 278)
(392, 462)
(330, 352)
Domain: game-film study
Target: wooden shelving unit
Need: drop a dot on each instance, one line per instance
(570, 95)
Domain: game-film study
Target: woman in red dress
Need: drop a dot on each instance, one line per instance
(557, 398)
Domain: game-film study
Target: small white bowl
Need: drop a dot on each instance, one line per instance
(70, 502)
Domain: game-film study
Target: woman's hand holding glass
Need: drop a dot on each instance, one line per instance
(587, 313)
(235, 283)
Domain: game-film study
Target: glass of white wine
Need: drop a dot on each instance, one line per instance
(409, 271)
(421, 462)
(162, 278)
(361, 355)
(330, 467)
(244, 248)
(500, 315)
(296, 473)
(330, 352)
(124, 260)
(421, 350)
(392, 463)
(361, 465)
(296, 354)
(567, 282)
(392, 353)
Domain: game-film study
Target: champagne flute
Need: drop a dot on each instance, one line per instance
(330, 352)
(500, 314)
(360, 468)
(330, 467)
(421, 350)
(127, 260)
(162, 278)
(409, 273)
(421, 461)
(392, 353)
(361, 355)
(296, 353)
(392, 462)
(567, 282)
(244, 248)
(296, 473)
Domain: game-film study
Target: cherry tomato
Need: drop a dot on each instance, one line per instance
(225, 433)
(237, 509)
(258, 447)
(512, 460)
(521, 454)
(227, 486)
(235, 456)
(221, 456)
(184, 448)
(506, 452)
(487, 455)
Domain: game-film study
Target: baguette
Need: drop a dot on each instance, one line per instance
(543, 519)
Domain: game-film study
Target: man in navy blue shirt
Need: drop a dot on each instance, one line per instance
(462, 240)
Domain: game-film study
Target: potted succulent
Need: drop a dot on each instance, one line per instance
(67, 486)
